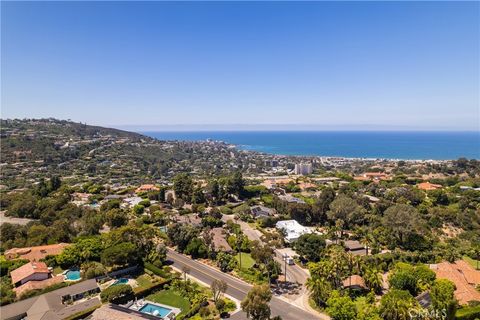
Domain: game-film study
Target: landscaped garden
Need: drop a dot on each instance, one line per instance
(171, 298)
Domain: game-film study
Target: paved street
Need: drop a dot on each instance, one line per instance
(295, 274)
(236, 288)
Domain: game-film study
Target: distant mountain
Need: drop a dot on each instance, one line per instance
(36, 148)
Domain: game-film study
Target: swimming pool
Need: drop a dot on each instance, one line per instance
(155, 310)
(120, 281)
(72, 275)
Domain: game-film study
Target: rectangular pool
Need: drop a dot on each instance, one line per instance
(155, 310)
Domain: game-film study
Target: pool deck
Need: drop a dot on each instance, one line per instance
(141, 303)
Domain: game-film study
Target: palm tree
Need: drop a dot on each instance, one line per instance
(373, 279)
(320, 290)
(185, 270)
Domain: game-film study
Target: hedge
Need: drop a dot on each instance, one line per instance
(156, 270)
(468, 313)
(193, 310)
(140, 293)
(82, 314)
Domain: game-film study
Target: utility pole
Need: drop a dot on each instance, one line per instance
(285, 256)
(239, 244)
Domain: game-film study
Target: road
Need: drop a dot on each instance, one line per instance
(236, 288)
(295, 274)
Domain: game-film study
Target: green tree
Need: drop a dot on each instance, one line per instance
(92, 270)
(341, 307)
(347, 210)
(226, 262)
(442, 294)
(255, 304)
(116, 218)
(183, 186)
(403, 279)
(396, 304)
(322, 204)
(196, 248)
(117, 294)
(373, 279)
(181, 234)
(218, 287)
(120, 254)
(310, 246)
(401, 220)
(320, 289)
(138, 209)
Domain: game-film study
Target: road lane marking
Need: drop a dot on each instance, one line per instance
(213, 276)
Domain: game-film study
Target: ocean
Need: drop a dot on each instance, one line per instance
(348, 144)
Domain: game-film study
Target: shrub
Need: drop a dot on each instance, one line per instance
(468, 313)
(118, 293)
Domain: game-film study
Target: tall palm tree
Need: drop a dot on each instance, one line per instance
(373, 279)
(320, 289)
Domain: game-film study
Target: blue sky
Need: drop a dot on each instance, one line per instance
(315, 65)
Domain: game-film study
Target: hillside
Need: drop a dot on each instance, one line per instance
(32, 149)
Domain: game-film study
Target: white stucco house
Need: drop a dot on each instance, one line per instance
(292, 229)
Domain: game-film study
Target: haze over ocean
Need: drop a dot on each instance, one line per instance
(351, 144)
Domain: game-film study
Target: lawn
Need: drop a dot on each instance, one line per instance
(471, 261)
(57, 270)
(247, 260)
(144, 281)
(170, 298)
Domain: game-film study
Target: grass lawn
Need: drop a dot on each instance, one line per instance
(144, 281)
(57, 270)
(171, 298)
(247, 260)
(471, 261)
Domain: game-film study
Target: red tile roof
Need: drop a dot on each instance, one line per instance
(27, 270)
(35, 253)
(428, 186)
(464, 277)
(354, 281)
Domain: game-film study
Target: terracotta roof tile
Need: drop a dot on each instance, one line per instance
(35, 253)
(27, 270)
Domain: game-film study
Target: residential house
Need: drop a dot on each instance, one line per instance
(354, 282)
(80, 198)
(464, 276)
(55, 305)
(291, 199)
(38, 285)
(131, 202)
(427, 186)
(35, 253)
(292, 229)
(32, 271)
(355, 247)
(219, 241)
(262, 212)
(147, 188)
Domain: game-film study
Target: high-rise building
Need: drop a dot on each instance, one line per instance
(303, 168)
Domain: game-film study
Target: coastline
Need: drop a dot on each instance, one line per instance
(436, 146)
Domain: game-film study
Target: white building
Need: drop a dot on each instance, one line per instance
(131, 202)
(303, 168)
(293, 230)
